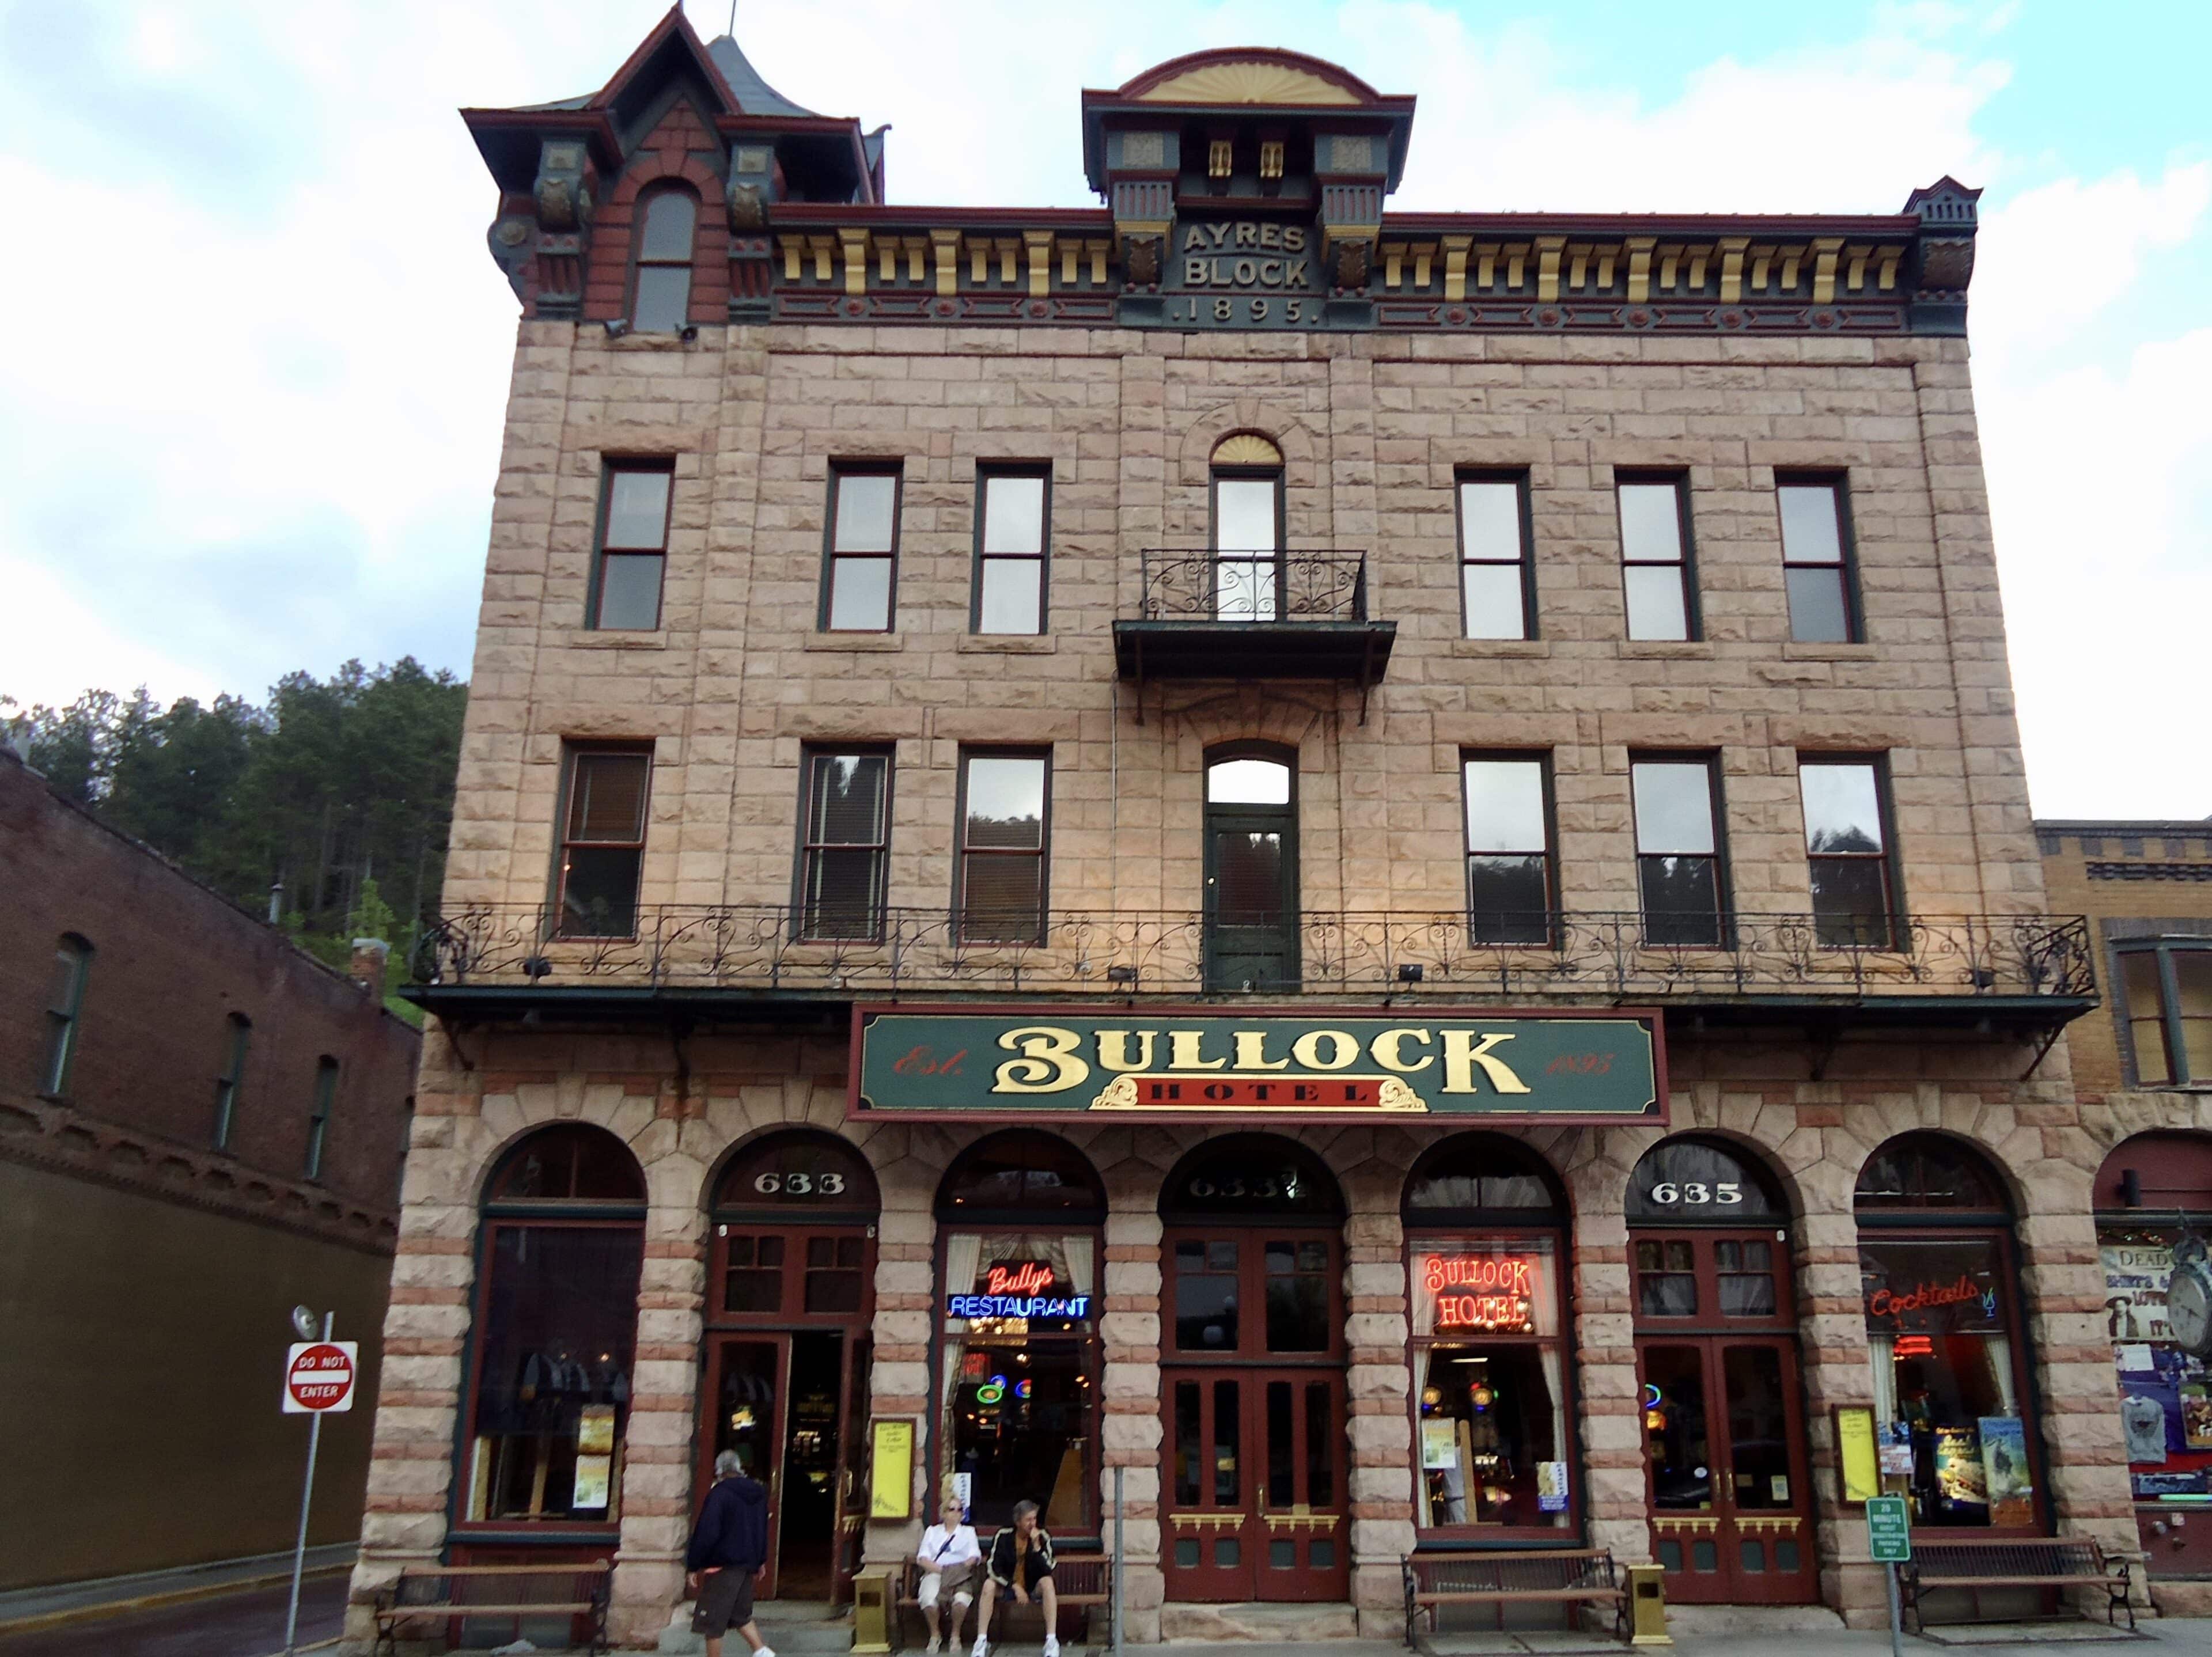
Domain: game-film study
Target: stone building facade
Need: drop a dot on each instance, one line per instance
(1238, 624)
(201, 1127)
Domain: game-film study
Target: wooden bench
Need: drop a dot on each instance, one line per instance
(1579, 1578)
(1084, 1581)
(1976, 1563)
(458, 1594)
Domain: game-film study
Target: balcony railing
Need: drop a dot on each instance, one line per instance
(1183, 586)
(1588, 956)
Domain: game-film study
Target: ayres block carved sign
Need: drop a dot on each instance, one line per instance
(1154, 1064)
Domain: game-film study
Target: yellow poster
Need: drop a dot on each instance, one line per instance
(890, 1469)
(1855, 1439)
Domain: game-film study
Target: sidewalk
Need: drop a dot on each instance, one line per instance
(23, 1610)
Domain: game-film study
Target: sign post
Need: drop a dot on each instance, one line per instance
(1889, 1540)
(318, 1379)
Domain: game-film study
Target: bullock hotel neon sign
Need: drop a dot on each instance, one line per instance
(1167, 1064)
(1481, 1293)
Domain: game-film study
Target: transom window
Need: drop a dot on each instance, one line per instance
(2169, 988)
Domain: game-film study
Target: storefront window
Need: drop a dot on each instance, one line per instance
(1018, 1362)
(564, 1245)
(1943, 1336)
(1492, 1444)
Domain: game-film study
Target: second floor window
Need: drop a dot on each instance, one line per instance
(1493, 558)
(660, 299)
(603, 841)
(633, 546)
(2168, 984)
(1002, 847)
(230, 1079)
(861, 574)
(1010, 527)
(319, 1113)
(64, 1008)
(1815, 562)
(845, 853)
(1847, 849)
(1508, 849)
(1678, 860)
(1248, 539)
(1655, 559)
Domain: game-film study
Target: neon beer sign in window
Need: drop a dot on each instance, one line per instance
(1482, 1294)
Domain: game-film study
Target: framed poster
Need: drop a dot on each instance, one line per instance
(890, 1469)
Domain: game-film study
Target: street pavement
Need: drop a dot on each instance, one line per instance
(247, 1623)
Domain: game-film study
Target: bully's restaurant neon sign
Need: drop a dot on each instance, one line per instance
(1019, 1291)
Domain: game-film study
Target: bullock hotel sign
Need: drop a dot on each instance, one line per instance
(1161, 1065)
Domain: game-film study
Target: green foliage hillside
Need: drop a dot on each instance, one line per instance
(341, 789)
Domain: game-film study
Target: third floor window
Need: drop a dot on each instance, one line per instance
(1678, 851)
(1847, 849)
(845, 847)
(861, 574)
(1494, 574)
(1509, 848)
(1655, 558)
(603, 841)
(1001, 894)
(1011, 523)
(632, 556)
(1816, 562)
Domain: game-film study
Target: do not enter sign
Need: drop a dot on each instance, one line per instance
(318, 1377)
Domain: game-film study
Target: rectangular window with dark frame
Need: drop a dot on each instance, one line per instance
(1847, 847)
(237, 1038)
(2169, 1009)
(860, 576)
(1495, 569)
(1816, 562)
(1509, 882)
(1003, 838)
(603, 841)
(319, 1113)
(1678, 852)
(1655, 558)
(64, 1011)
(633, 552)
(1013, 524)
(845, 848)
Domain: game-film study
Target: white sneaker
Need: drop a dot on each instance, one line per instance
(983, 1649)
(765, 1651)
(935, 1643)
(1051, 1645)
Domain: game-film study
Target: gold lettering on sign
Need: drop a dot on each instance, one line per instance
(1252, 1052)
(1210, 260)
(1462, 1052)
(1183, 1052)
(1343, 1050)
(1388, 1050)
(1048, 1063)
(1114, 1050)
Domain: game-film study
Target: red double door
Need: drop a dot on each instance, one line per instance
(1255, 1469)
(1723, 1412)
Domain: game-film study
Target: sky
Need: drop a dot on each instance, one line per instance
(256, 353)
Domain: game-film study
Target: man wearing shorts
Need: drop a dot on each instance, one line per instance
(951, 1560)
(729, 1547)
(1021, 1565)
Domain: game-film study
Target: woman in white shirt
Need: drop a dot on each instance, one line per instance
(951, 1561)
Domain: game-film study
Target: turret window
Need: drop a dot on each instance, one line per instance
(661, 301)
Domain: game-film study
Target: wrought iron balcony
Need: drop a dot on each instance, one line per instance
(1215, 614)
(1973, 965)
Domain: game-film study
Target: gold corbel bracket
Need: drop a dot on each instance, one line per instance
(1549, 252)
(855, 244)
(944, 259)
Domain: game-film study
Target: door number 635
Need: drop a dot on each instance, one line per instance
(1697, 1192)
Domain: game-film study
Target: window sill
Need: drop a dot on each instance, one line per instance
(1526, 647)
(856, 641)
(1828, 652)
(618, 639)
(1008, 644)
(656, 339)
(1664, 649)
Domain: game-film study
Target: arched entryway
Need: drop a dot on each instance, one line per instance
(2153, 1200)
(546, 1415)
(1486, 1224)
(1020, 1219)
(1729, 1484)
(790, 1297)
(1954, 1424)
(1255, 1465)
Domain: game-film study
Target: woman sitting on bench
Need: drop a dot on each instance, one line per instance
(1021, 1564)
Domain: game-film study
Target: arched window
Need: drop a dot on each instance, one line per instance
(230, 1075)
(1246, 528)
(661, 299)
(1260, 1174)
(64, 1007)
(1939, 1277)
(1018, 1217)
(794, 1214)
(561, 1250)
(1485, 1237)
(1693, 1182)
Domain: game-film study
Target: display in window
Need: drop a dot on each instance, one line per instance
(2164, 1392)
(2004, 1467)
(1490, 1426)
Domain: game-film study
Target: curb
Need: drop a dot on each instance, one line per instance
(105, 1608)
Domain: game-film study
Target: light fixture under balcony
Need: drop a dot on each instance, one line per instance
(1411, 972)
(1120, 974)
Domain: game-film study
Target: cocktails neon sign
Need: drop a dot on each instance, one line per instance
(1483, 1293)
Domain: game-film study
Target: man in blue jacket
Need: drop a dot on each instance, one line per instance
(729, 1549)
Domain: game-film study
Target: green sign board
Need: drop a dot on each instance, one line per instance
(1889, 1530)
(1164, 1064)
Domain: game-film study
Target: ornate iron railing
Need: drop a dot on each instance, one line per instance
(1181, 585)
(1587, 955)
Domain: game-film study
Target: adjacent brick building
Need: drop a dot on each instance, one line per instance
(1038, 778)
(201, 1127)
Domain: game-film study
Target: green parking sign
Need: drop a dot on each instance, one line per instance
(1889, 1530)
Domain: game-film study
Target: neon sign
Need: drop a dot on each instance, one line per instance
(1026, 1278)
(1944, 1304)
(1019, 1290)
(1496, 1291)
